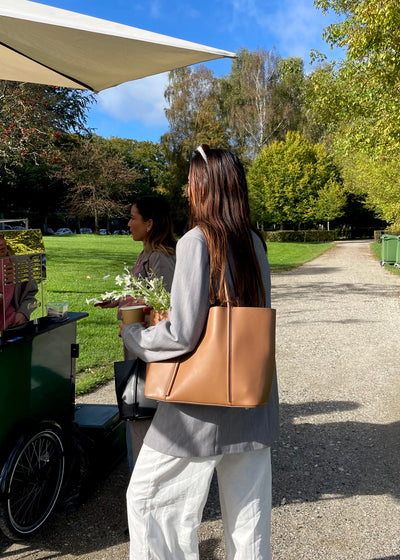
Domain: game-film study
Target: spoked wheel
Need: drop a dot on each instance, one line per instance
(30, 483)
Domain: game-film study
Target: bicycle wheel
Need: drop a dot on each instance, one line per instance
(30, 482)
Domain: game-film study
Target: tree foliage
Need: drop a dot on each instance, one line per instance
(32, 120)
(146, 158)
(192, 98)
(370, 33)
(192, 111)
(32, 116)
(359, 98)
(290, 181)
(352, 107)
(99, 184)
(378, 179)
(260, 100)
(290, 95)
(331, 202)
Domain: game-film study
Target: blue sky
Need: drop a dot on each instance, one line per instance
(136, 109)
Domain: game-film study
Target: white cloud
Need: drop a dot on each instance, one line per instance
(155, 9)
(243, 13)
(294, 26)
(141, 100)
(299, 28)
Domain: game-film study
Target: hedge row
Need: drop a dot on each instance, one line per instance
(378, 234)
(302, 236)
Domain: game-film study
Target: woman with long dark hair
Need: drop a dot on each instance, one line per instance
(151, 223)
(185, 443)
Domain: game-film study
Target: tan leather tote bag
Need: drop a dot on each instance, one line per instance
(233, 364)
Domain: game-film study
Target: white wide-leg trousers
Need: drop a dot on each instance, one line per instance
(166, 497)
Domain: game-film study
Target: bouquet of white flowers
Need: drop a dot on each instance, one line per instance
(150, 290)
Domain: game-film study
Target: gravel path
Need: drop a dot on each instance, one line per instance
(336, 469)
(336, 485)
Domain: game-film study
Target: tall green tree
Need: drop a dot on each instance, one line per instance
(99, 185)
(32, 119)
(32, 116)
(331, 202)
(147, 158)
(261, 100)
(364, 93)
(369, 30)
(193, 113)
(379, 178)
(247, 95)
(289, 95)
(289, 181)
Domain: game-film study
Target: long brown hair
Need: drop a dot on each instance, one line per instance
(161, 236)
(219, 206)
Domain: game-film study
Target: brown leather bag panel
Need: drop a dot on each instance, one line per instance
(232, 365)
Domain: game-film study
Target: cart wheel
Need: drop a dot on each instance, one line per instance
(30, 483)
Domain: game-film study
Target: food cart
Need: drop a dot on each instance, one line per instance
(38, 415)
(39, 419)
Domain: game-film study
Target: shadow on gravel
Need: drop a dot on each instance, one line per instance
(316, 461)
(208, 548)
(312, 461)
(396, 557)
(305, 270)
(96, 525)
(331, 291)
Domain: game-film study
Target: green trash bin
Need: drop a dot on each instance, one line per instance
(389, 249)
(397, 263)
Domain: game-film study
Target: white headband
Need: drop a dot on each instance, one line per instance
(202, 153)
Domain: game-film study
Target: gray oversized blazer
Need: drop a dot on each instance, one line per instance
(184, 430)
(162, 265)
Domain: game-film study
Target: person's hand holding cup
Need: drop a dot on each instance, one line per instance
(132, 314)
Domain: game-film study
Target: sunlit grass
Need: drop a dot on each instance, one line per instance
(284, 256)
(376, 249)
(80, 267)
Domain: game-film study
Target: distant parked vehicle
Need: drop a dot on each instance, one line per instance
(120, 232)
(86, 230)
(104, 232)
(18, 227)
(64, 231)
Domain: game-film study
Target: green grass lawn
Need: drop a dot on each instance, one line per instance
(81, 267)
(85, 266)
(284, 256)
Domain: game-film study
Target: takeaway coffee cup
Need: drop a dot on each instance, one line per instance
(132, 314)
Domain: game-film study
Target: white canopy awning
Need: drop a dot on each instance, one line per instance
(47, 45)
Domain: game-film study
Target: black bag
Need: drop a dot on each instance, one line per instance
(130, 377)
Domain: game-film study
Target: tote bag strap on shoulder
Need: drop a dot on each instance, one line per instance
(232, 365)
